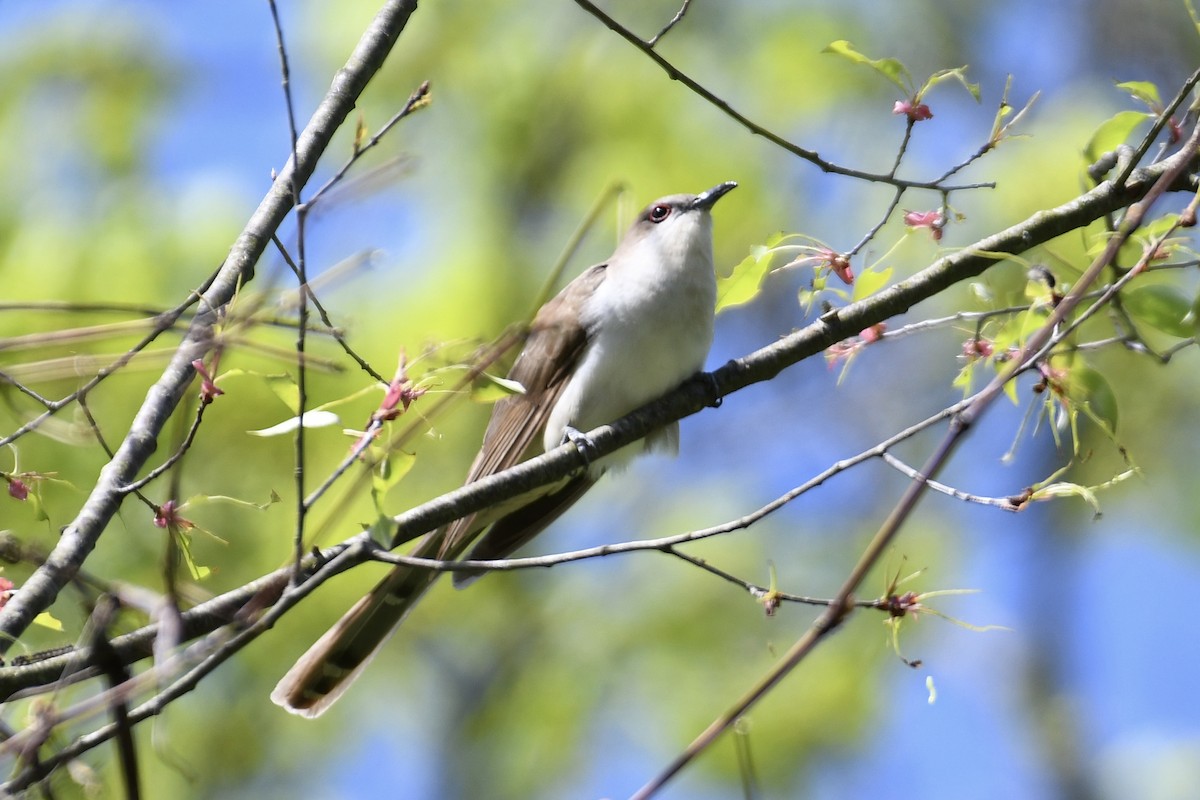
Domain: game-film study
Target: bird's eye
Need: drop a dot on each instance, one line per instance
(660, 212)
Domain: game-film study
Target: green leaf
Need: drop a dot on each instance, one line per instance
(202, 499)
(958, 73)
(198, 571)
(286, 389)
(382, 530)
(47, 620)
(778, 237)
(746, 279)
(982, 293)
(1092, 389)
(390, 471)
(1191, 7)
(889, 68)
(312, 419)
(869, 282)
(39, 508)
(1010, 391)
(491, 389)
(1160, 306)
(1018, 328)
(1057, 490)
(1114, 131)
(964, 378)
(281, 384)
(1159, 227)
(1144, 91)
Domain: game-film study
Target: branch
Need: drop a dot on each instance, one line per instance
(765, 364)
(80, 536)
(656, 38)
(1167, 176)
(761, 365)
(27, 677)
(675, 74)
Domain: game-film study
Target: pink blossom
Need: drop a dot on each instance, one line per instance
(18, 488)
(933, 220)
(209, 390)
(916, 112)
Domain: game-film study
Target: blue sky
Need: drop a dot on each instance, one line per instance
(1109, 599)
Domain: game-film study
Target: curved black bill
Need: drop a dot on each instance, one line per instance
(706, 199)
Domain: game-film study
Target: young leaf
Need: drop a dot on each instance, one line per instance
(390, 470)
(281, 384)
(958, 73)
(1157, 228)
(197, 570)
(1144, 91)
(47, 620)
(286, 389)
(201, 499)
(1010, 391)
(1090, 387)
(491, 389)
(312, 419)
(889, 68)
(869, 282)
(1064, 489)
(1160, 306)
(744, 281)
(1113, 132)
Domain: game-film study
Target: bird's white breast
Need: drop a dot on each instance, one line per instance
(650, 326)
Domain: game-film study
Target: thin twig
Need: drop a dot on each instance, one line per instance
(80, 536)
(833, 616)
(1003, 503)
(1143, 147)
(164, 323)
(301, 269)
(416, 101)
(675, 74)
(674, 21)
(756, 367)
(307, 290)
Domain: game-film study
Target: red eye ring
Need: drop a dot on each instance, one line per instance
(659, 212)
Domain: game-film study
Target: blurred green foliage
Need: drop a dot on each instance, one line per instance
(513, 686)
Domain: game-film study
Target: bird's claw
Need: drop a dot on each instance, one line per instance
(582, 443)
(714, 390)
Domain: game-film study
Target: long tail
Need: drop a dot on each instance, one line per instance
(328, 668)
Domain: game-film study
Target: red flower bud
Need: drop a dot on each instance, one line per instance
(916, 112)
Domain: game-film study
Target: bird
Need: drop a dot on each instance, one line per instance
(623, 333)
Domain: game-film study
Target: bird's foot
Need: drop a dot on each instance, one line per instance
(582, 443)
(715, 398)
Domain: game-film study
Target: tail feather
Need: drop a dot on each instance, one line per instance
(328, 668)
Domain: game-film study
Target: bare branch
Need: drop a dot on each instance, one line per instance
(1004, 503)
(674, 21)
(675, 74)
(80, 536)
(759, 366)
(833, 616)
(765, 364)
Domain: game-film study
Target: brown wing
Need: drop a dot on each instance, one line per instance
(556, 340)
(518, 527)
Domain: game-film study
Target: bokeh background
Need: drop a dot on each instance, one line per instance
(138, 137)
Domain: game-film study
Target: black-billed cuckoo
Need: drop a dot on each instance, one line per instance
(623, 333)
